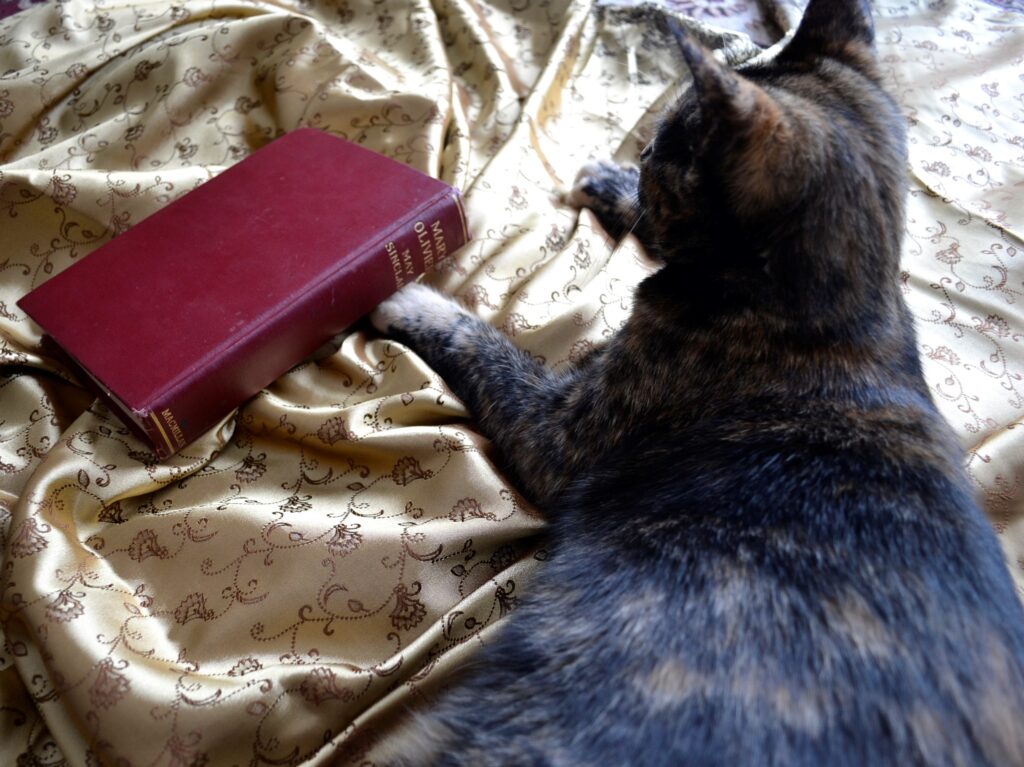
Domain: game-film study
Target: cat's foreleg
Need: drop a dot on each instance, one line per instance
(610, 191)
(517, 402)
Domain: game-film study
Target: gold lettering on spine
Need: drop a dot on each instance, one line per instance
(440, 245)
(172, 424)
(426, 247)
(410, 268)
(396, 264)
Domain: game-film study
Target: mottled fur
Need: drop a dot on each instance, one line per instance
(764, 549)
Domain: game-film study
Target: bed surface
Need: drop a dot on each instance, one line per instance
(277, 591)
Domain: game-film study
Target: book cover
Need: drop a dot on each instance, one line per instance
(198, 307)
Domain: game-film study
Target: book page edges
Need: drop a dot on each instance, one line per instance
(144, 424)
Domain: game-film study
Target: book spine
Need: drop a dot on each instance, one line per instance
(301, 324)
(164, 434)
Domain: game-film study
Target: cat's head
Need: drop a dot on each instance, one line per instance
(753, 168)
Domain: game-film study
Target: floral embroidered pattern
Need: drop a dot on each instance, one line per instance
(469, 508)
(66, 607)
(409, 610)
(192, 607)
(111, 684)
(344, 540)
(145, 545)
(322, 684)
(28, 539)
(245, 666)
(333, 431)
(408, 469)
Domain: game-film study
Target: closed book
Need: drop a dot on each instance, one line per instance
(186, 315)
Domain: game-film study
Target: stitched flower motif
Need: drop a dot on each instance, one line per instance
(408, 470)
(64, 192)
(580, 349)
(47, 133)
(110, 684)
(503, 557)
(517, 199)
(143, 68)
(582, 255)
(556, 238)
(65, 607)
(345, 540)
(322, 684)
(295, 504)
(938, 168)
(28, 540)
(145, 545)
(114, 513)
(476, 295)
(950, 255)
(515, 323)
(245, 666)
(994, 325)
(468, 508)
(192, 607)
(944, 353)
(184, 752)
(333, 430)
(186, 149)
(409, 610)
(252, 468)
(979, 153)
(194, 76)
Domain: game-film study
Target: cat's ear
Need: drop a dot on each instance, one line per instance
(746, 132)
(726, 99)
(842, 29)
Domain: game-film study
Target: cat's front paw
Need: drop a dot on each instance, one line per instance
(415, 306)
(610, 191)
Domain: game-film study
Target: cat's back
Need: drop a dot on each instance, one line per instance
(803, 582)
(819, 589)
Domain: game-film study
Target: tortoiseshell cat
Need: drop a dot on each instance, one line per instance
(764, 549)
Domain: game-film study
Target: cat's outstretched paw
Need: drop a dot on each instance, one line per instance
(610, 191)
(415, 306)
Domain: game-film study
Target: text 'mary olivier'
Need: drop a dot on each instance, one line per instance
(197, 308)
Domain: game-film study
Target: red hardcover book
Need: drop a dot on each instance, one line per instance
(189, 313)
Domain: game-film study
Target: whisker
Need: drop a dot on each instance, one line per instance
(636, 221)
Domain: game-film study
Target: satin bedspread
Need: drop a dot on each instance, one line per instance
(330, 553)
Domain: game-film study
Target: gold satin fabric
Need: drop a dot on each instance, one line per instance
(329, 555)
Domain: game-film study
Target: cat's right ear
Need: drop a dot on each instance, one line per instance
(745, 131)
(841, 29)
(729, 103)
